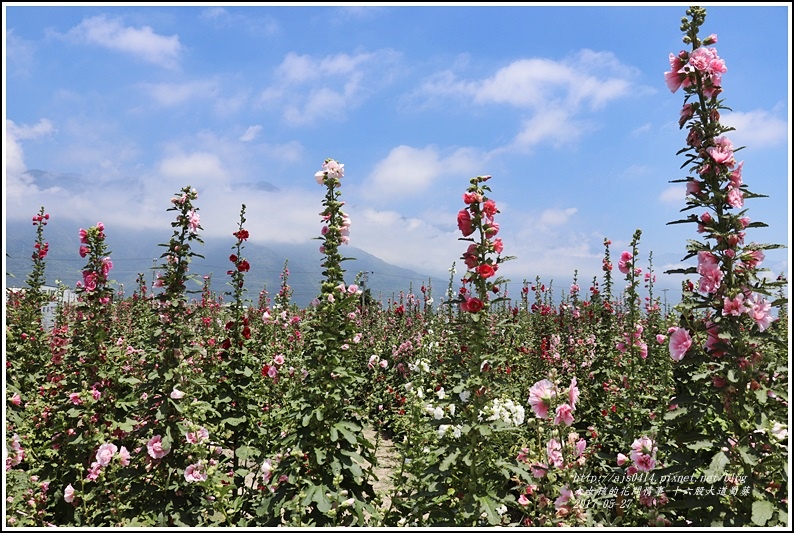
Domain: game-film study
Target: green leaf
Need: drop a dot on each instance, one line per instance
(700, 445)
(234, 421)
(717, 466)
(762, 512)
(447, 462)
(244, 452)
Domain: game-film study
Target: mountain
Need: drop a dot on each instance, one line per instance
(135, 252)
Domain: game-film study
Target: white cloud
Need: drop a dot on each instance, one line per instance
(171, 94)
(251, 133)
(199, 168)
(407, 171)
(19, 53)
(311, 89)
(757, 129)
(673, 195)
(143, 42)
(17, 182)
(553, 125)
(556, 217)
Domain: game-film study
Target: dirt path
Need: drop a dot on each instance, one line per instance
(387, 461)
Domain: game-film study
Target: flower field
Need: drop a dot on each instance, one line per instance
(169, 408)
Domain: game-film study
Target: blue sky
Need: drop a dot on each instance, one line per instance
(565, 106)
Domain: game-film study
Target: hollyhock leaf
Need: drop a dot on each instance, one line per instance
(717, 466)
(762, 512)
(700, 445)
(447, 462)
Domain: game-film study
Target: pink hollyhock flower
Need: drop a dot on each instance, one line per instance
(642, 445)
(735, 198)
(680, 342)
(83, 251)
(177, 394)
(563, 414)
(94, 471)
(105, 453)
(464, 222)
(124, 456)
(334, 169)
(195, 473)
(16, 399)
(760, 311)
(622, 459)
(661, 338)
(523, 500)
(156, 449)
(489, 208)
(573, 393)
(624, 263)
(75, 398)
(722, 152)
(644, 462)
(68, 493)
(540, 396)
(710, 278)
(565, 495)
(498, 246)
(580, 447)
(675, 77)
(753, 258)
(538, 470)
(471, 198)
(194, 219)
(736, 175)
(733, 307)
(522, 455)
(491, 229)
(554, 453)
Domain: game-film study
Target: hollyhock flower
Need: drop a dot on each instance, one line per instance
(538, 470)
(661, 338)
(722, 152)
(471, 198)
(471, 305)
(195, 473)
(498, 246)
(105, 453)
(624, 263)
(486, 271)
(565, 495)
(735, 198)
(540, 396)
(93, 471)
(68, 493)
(334, 169)
(760, 312)
(489, 208)
(156, 449)
(573, 393)
(491, 229)
(710, 278)
(523, 500)
(194, 219)
(753, 258)
(16, 399)
(643, 445)
(563, 414)
(554, 453)
(622, 459)
(75, 398)
(644, 462)
(733, 307)
(675, 77)
(177, 394)
(680, 342)
(124, 456)
(464, 222)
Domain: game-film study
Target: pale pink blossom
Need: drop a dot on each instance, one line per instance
(156, 449)
(554, 453)
(680, 342)
(540, 396)
(124, 456)
(733, 307)
(565, 495)
(177, 394)
(735, 198)
(195, 473)
(573, 393)
(538, 470)
(194, 219)
(563, 414)
(760, 311)
(105, 453)
(622, 459)
(16, 399)
(68, 493)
